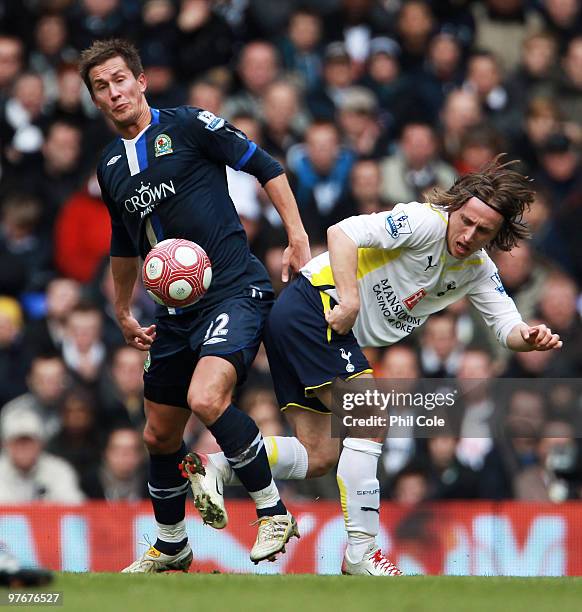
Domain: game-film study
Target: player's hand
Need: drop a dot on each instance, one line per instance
(341, 317)
(137, 336)
(295, 256)
(540, 338)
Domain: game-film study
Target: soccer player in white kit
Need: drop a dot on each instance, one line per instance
(383, 276)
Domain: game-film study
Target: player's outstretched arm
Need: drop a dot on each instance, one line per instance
(298, 253)
(343, 256)
(124, 271)
(524, 338)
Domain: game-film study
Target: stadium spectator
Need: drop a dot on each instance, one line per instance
(282, 120)
(569, 83)
(206, 94)
(258, 67)
(411, 485)
(13, 358)
(322, 100)
(415, 167)
(51, 50)
(321, 169)
(443, 70)
(477, 406)
(299, 48)
(415, 24)
(533, 78)
(94, 19)
(11, 63)
(515, 447)
(396, 95)
(83, 348)
(22, 118)
(461, 112)
(355, 22)
(56, 173)
(69, 104)
(157, 26)
(485, 78)
(563, 18)
(479, 147)
(121, 476)
(364, 194)
(540, 120)
(121, 391)
(440, 349)
(558, 306)
(44, 336)
(27, 472)
(359, 122)
(399, 365)
(502, 26)
(79, 442)
(164, 89)
(523, 276)
(204, 39)
(47, 381)
(560, 169)
(557, 455)
(448, 477)
(21, 241)
(82, 233)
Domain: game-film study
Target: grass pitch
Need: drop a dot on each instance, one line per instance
(302, 593)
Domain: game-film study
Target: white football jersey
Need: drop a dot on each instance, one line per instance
(405, 273)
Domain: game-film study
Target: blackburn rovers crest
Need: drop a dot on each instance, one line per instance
(163, 145)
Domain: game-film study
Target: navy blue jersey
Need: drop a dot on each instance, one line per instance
(170, 182)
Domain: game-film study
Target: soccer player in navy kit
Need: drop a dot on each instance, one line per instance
(165, 178)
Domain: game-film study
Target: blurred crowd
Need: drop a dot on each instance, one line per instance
(366, 103)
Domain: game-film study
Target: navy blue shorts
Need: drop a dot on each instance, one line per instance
(304, 352)
(231, 330)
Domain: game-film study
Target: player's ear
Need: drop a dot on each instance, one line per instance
(142, 82)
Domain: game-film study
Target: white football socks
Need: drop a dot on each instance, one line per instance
(360, 494)
(287, 458)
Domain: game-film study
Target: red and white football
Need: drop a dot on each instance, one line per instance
(177, 273)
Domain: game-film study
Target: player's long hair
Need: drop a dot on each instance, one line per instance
(503, 189)
(102, 50)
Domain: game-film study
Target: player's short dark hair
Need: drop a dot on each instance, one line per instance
(505, 190)
(102, 50)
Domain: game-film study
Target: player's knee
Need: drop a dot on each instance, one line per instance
(207, 405)
(159, 441)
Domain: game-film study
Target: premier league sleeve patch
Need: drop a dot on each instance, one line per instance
(212, 122)
(163, 145)
(398, 225)
(496, 280)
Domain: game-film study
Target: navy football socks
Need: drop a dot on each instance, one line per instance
(240, 439)
(168, 490)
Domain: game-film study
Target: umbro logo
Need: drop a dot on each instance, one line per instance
(113, 160)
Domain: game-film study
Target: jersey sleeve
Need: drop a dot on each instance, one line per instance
(406, 225)
(121, 242)
(223, 143)
(489, 297)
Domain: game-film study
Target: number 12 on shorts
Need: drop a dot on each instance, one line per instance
(217, 330)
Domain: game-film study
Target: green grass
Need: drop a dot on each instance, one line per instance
(302, 593)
